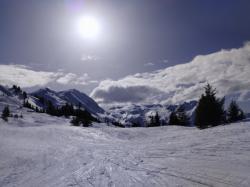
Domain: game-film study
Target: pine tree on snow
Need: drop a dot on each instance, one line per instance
(210, 109)
(234, 113)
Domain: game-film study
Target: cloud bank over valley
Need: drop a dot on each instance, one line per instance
(227, 70)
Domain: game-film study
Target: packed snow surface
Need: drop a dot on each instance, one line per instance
(48, 152)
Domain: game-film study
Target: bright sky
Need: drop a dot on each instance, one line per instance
(117, 37)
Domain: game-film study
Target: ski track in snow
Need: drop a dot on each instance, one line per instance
(57, 154)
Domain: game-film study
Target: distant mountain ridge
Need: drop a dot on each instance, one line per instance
(71, 96)
(8, 96)
(138, 114)
(127, 115)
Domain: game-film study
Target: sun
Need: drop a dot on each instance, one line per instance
(88, 27)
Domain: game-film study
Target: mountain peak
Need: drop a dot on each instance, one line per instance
(71, 91)
(72, 96)
(47, 89)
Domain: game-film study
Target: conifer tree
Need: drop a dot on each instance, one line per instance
(37, 109)
(27, 104)
(51, 109)
(154, 120)
(210, 110)
(24, 95)
(234, 113)
(157, 119)
(6, 113)
(173, 119)
(179, 117)
(151, 121)
(75, 121)
(183, 119)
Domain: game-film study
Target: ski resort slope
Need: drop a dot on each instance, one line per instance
(57, 154)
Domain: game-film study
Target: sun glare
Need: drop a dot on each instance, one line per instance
(88, 27)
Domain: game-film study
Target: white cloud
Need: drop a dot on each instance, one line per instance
(94, 81)
(227, 70)
(125, 94)
(89, 58)
(73, 79)
(66, 79)
(149, 64)
(25, 77)
(84, 80)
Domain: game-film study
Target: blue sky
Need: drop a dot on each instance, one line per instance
(38, 38)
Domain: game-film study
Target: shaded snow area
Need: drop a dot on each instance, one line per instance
(57, 154)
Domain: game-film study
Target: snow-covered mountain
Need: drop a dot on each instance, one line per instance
(9, 97)
(14, 98)
(132, 114)
(127, 115)
(71, 96)
(4, 91)
(75, 97)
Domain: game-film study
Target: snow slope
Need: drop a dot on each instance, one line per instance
(8, 98)
(75, 97)
(57, 154)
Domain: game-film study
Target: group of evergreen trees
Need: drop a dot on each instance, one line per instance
(234, 113)
(154, 120)
(179, 117)
(81, 117)
(6, 111)
(6, 114)
(210, 110)
(65, 110)
(18, 91)
(26, 104)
